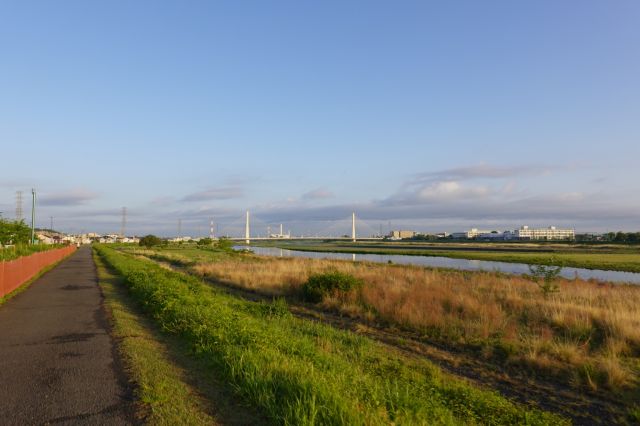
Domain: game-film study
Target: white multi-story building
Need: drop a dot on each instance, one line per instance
(473, 233)
(550, 233)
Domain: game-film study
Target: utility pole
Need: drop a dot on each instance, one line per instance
(179, 228)
(247, 234)
(51, 227)
(353, 227)
(33, 216)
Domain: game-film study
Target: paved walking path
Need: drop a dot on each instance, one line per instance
(57, 360)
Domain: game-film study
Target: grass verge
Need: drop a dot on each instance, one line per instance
(171, 386)
(302, 372)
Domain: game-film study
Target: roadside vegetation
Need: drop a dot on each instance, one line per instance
(19, 250)
(297, 371)
(14, 241)
(171, 386)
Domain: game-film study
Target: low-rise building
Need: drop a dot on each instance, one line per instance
(399, 235)
(473, 233)
(550, 233)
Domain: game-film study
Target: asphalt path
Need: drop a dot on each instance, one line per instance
(58, 363)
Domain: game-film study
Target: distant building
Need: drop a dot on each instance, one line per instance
(550, 233)
(399, 235)
(492, 236)
(473, 233)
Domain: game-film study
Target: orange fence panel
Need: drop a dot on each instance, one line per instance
(14, 273)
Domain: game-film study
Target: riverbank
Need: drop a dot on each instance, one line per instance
(299, 371)
(579, 342)
(626, 259)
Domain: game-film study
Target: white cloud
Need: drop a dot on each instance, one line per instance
(449, 190)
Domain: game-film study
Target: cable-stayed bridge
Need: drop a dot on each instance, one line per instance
(250, 228)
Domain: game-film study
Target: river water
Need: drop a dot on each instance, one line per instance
(447, 262)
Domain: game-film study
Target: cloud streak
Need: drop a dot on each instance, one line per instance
(317, 194)
(484, 171)
(216, 193)
(76, 197)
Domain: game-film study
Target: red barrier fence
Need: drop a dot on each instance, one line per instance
(14, 273)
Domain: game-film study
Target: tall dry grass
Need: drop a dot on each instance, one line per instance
(588, 333)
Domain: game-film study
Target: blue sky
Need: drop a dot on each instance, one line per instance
(429, 115)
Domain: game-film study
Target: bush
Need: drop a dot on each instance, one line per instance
(225, 244)
(545, 276)
(14, 232)
(205, 241)
(329, 283)
(149, 241)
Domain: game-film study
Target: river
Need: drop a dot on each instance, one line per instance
(448, 262)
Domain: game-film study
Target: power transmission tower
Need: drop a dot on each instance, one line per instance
(19, 212)
(33, 216)
(124, 222)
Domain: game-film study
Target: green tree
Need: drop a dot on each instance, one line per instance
(14, 232)
(205, 241)
(545, 276)
(225, 244)
(149, 241)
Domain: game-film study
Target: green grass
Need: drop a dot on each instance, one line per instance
(171, 387)
(19, 250)
(301, 372)
(622, 261)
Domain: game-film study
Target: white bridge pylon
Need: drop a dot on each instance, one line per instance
(343, 236)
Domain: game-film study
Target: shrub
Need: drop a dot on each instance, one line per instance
(545, 276)
(329, 283)
(225, 244)
(149, 241)
(205, 241)
(14, 232)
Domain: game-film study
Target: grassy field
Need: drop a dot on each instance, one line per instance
(586, 335)
(302, 372)
(589, 333)
(609, 257)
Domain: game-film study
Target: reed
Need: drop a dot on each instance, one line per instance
(587, 333)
